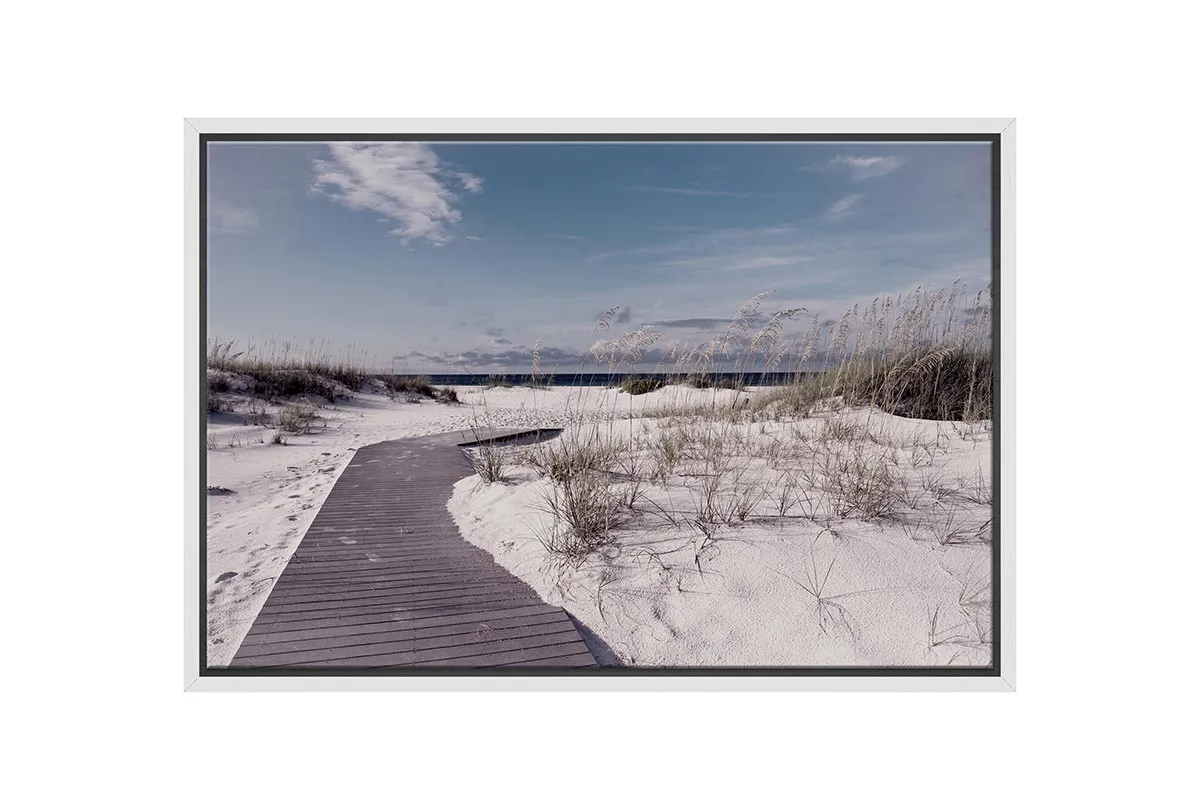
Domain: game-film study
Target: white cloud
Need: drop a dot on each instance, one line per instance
(863, 168)
(570, 236)
(474, 238)
(695, 191)
(470, 182)
(844, 206)
(226, 218)
(403, 181)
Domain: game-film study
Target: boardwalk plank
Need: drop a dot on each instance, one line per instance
(383, 578)
(426, 605)
(419, 599)
(482, 654)
(414, 639)
(318, 631)
(441, 589)
(368, 615)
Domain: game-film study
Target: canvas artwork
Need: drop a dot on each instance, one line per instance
(599, 406)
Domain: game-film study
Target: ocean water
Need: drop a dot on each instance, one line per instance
(603, 379)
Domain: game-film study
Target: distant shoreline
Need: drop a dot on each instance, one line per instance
(598, 379)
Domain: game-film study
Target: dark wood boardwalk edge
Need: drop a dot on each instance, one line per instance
(502, 437)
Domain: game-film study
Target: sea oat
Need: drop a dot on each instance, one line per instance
(605, 319)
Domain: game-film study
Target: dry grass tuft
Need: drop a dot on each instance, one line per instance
(583, 509)
(299, 417)
(286, 369)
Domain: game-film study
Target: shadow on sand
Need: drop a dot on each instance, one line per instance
(605, 656)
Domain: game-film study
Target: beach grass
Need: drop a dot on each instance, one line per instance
(922, 355)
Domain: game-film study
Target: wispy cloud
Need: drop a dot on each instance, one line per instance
(844, 206)
(866, 167)
(469, 182)
(226, 218)
(403, 181)
(747, 260)
(570, 236)
(699, 241)
(474, 238)
(520, 357)
(904, 263)
(693, 191)
(694, 323)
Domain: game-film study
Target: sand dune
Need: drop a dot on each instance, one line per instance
(767, 590)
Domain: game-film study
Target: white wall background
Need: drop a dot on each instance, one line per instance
(92, 256)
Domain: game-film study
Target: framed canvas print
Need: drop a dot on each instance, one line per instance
(599, 404)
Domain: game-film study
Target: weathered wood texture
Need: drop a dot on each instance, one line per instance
(383, 578)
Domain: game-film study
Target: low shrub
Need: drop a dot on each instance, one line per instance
(273, 384)
(218, 383)
(298, 417)
(705, 381)
(952, 383)
(641, 386)
(286, 369)
(420, 386)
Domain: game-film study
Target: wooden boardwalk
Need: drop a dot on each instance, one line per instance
(383, 578)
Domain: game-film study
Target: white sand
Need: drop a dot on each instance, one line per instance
(659, 597)
(645, 595)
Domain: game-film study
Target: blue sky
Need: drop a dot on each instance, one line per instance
(461, 255)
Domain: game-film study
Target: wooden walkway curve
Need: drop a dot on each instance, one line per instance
(383, 578)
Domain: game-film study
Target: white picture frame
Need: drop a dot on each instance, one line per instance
(1004, 679)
